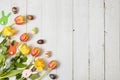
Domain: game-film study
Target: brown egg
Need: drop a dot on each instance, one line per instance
(53, 76)
(30, 17)
(40, 41)
(15, 10)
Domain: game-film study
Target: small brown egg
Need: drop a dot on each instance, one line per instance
(47, 54)
(40, 41)
(53, 76)
(15, 10)
(30, 17)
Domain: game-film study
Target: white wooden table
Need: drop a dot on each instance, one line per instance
(83, 35)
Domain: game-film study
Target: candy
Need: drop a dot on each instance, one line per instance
(4, 19)
(27, 73)
(24, 37)
(40, 41)
(30, 17)
(15, 10)
(53, 76)
(19, 20)
(47, 54)
(12, 48)
(34, 30)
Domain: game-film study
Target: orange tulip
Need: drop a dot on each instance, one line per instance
(19, 20)
(24, 37)
(35, 51)
(52, 64)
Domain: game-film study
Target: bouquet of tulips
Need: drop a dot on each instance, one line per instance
(13, 56)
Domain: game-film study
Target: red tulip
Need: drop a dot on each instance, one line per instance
(35, 51)
(24, 37)
(52, 64)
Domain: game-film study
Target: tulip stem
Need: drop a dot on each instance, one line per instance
(48, 70)
(30, 63)
(12, 24)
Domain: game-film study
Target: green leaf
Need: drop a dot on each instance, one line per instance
(18, 76)
(18, 60)
(4, 48)
(20, 65)
(23, 59)
(11, 73)
(34, 76)
(2, 59)
(5, 79)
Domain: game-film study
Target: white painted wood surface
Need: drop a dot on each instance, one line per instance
(96, 39)
(83, 35)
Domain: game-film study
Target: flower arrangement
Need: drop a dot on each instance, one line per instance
(17, 53)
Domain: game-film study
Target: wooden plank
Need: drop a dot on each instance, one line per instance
(112, 39)
(53, 18)
(81, 51)
(36, 10)
(45, 20)
(64, 39)
(96, 39)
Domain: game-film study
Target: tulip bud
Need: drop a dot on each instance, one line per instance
(24, 37)
(19, 20)
(35, 51)
(52, 64)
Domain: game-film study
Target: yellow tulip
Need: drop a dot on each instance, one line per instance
(8, 31)
(39, 64)
(24, 49)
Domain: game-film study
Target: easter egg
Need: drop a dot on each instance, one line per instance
(34, 30)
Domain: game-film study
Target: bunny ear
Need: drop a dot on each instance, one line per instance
(3, 13)
(8, 14)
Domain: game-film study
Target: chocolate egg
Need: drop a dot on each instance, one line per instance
(53, 76)
(30, 17)
(15, 10)
(40, 41)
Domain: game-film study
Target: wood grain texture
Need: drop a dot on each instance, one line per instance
(81, 35)
(96, 39)
(64, 39)
(112, 21)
